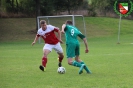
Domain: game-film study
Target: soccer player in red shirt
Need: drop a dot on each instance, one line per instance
(51, 42)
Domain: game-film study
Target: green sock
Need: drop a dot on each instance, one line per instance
(86, 68)
(82, 62)
(77, 64)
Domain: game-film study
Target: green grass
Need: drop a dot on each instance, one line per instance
(111, 63)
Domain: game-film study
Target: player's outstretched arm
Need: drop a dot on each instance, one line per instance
(59, 36)
(36, 38)
(63, 27)
(86, 45)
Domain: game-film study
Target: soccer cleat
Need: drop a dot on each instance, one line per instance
(88, 72)
(59, 64)
(42, 68)
(87, 69)
(81, 69)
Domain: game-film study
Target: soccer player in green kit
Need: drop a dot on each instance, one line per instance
(73, 46)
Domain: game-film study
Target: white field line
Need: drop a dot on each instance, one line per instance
(108, 54)
(119, 54)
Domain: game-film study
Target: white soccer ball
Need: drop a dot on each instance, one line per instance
(61, 70)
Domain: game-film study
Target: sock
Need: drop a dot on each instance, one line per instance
(77, 64)
(60, 59)
(86, 68)
(44, 61)
(82, 62)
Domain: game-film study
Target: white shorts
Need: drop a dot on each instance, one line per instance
(56, 47)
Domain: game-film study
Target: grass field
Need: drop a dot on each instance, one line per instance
(111, 63)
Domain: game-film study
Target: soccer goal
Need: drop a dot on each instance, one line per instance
(78, 21)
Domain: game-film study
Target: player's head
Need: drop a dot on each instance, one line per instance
(43, 24)
(69, 22)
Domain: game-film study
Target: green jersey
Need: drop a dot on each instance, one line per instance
(71, 33)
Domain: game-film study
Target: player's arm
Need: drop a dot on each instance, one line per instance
(85, 42)
(86, 45)
(63, 28)
(36, 38)
(59, 34)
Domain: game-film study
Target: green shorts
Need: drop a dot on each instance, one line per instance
(72, 50)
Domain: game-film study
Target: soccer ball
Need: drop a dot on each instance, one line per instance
(61, 70)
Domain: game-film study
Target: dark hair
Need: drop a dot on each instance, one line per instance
(42, 22)
(69, 22)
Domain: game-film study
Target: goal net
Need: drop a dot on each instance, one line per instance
(57, 21)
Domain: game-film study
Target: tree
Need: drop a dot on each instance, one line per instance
(37, 11)
(0, 3)
(17, 8)
(46, 7)
(63, 5)
(37, 7)
(103, 6)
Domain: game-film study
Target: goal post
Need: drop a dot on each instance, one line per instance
(78, 21)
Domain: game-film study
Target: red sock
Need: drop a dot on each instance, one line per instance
(44, 61)
(60, 59)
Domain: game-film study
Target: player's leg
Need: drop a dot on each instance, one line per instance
(59, 51)
(46, 50)
(77, 58)
(77, 53)
(60, 58)
(76, 64)
(86, 67)
(70, 54)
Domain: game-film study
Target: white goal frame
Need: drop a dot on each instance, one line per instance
(58, 16)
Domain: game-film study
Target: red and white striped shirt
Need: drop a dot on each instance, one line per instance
(48, 35)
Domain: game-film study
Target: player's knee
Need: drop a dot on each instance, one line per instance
(70, 63)
(45, 55)
(61, 55)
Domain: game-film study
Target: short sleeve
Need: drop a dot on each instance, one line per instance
(51, 27)
(54, 28)
(38, 33)
(81, 35)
